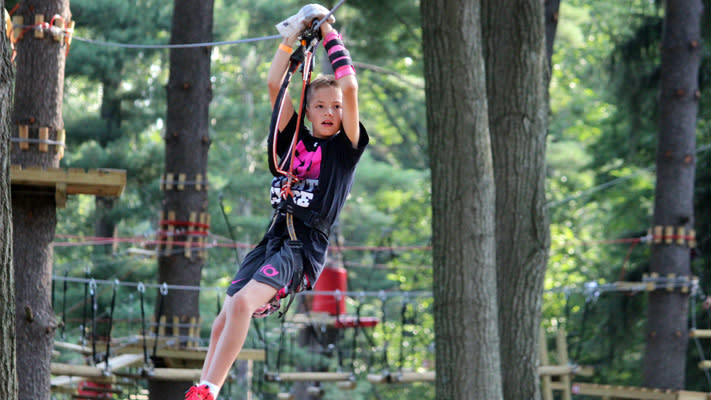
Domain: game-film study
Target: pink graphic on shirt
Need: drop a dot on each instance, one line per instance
(307, 164)
(269, 271)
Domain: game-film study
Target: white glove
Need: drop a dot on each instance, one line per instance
(298, 22)
(316, 11)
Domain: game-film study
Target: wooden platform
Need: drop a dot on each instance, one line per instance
(98, 182)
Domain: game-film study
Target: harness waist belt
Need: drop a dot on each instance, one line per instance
(310, 218)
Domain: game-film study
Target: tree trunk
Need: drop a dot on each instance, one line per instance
(667, 338)
(514, 36)
(187, 141)
(38, 103)
(104, 223)
(8, 361)
(551, 20)
(464, 286)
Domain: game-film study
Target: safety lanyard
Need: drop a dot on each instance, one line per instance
(303, 56)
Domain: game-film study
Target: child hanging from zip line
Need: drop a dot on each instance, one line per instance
(307, 199)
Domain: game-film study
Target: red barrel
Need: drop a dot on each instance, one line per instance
(95, 390)
(331, 279)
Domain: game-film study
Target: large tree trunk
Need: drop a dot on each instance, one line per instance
(186, 147)
(38, 103)
(466, 329)
(551, 20)
(8, 362)
(515, 52)
(104, 222)
(667, 338)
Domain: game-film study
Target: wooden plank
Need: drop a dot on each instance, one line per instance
(39, 20)
(43, 146)
(685, 395)
(308, 376)
(622, 392)
(197, 353)
(402, 377)
(173, 374)
(60, 195)
(411, 377)
(64, 384)
(23, 132)
(95, 374)
(555, 370)
(73, 347)
(99, 182)
(123, 361)
(700, 333)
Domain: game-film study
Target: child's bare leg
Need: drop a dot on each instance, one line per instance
(217, 327)
(238, 314)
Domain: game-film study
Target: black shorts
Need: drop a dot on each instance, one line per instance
(275, 261)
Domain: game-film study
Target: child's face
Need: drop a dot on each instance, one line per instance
(325, 110)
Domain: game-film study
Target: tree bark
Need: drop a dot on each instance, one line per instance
(667, 337)
(8, 358)
(187, 141)
(515, 53)
(551, 20)
(105, 223)
(38, 103)
(464, 286)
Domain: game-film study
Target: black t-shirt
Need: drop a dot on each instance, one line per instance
(325, 169)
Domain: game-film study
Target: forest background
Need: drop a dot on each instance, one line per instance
(600, 184)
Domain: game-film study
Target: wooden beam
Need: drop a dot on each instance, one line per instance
(556, 370)
(411, 377)
(94, 374)
(188, 353)
(700, 333)
(172, 374)
(122, 361)
(343, 321)
(402, 377)
(308, 376)
(65, 384)
(623, 392)
(99, 182)
(84, 350)
(684, 395)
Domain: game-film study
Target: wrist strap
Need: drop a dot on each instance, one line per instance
(338, 55)
(283, 47)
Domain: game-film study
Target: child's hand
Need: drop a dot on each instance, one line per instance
(316, 11)
(297, 23)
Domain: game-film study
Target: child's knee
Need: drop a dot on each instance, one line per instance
(242, 304)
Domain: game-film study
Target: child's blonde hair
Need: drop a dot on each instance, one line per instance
(319, 82)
